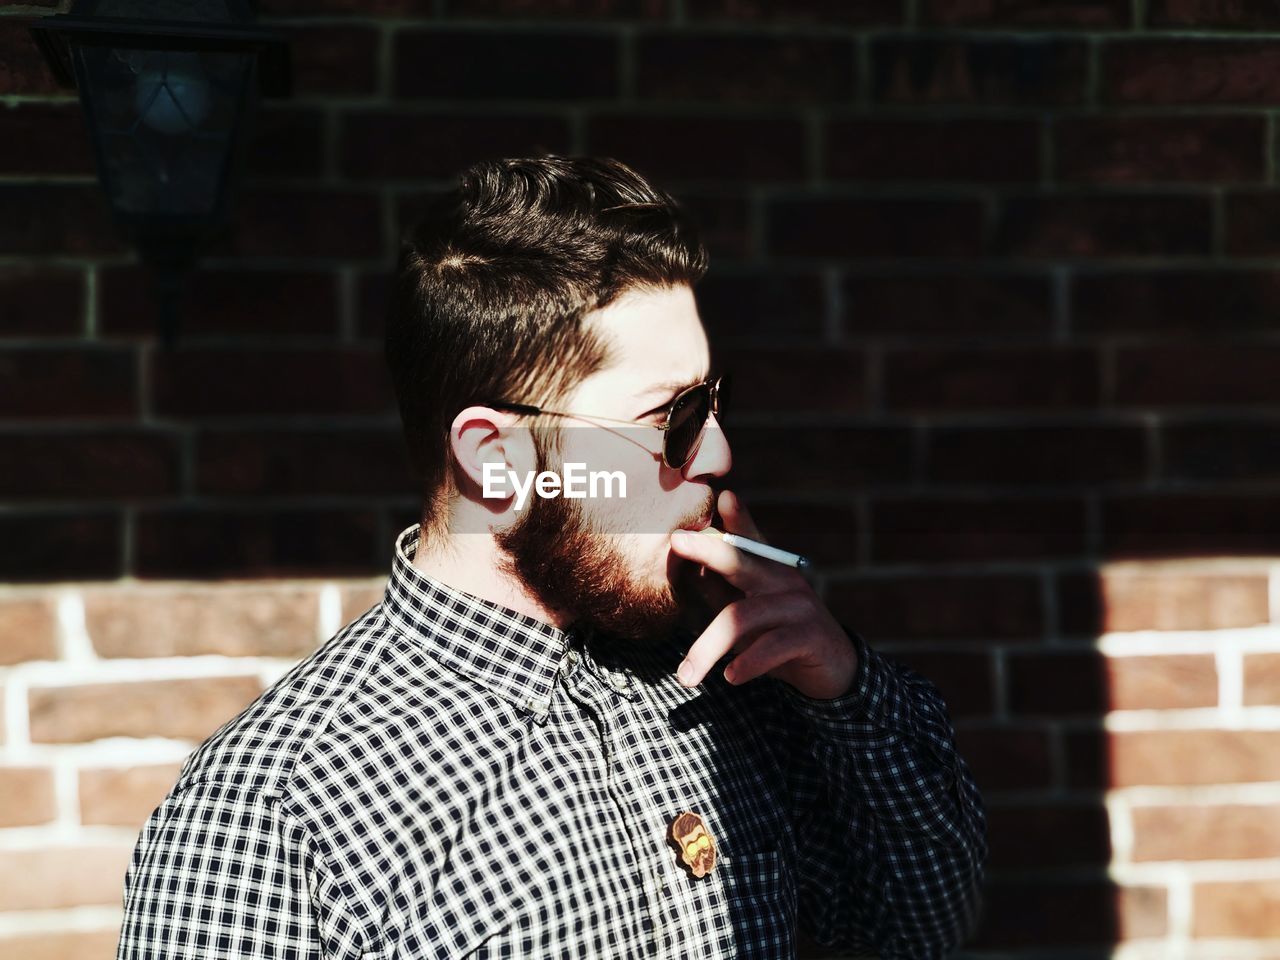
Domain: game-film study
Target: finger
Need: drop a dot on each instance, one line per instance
(770, 650)
(715, 591)
(732, 628)
(747, 573)
(735, 517)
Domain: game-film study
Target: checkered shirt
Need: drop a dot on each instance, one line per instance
(448, 778)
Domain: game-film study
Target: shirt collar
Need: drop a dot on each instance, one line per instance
(515, 655)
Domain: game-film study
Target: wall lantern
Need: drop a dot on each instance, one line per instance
(168, 88)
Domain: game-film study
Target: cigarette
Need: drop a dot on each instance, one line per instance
(755, 547)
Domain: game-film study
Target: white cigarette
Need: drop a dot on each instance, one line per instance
(759, 549)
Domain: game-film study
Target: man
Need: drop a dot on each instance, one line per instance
(574, 726)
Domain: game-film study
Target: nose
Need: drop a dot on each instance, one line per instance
(713, 458)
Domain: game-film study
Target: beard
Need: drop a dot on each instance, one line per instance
(571, 567)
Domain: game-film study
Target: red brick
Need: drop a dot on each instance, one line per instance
(86, 945)
(1241, 909)
(973, 378)
(340, 60)
(1262, 679)
(298, 463)
(427, 64)
(1172, 302)
(951, 305)
(315, 223)
(1191, 71)
(286, 142)
(989, 72)
(1184, 757)
(768, 303)
(88, 383)
(1189, 524)
(249, 303)
(1168, 599)
(1027, 13)
(66, 219)
(1220, 449)
(870, 228)
(1053, 684)
(85, 545)
(1250, 225)
(1089, 683)
(569, 9)
(363, 8)
(207, 543)
(1043, 837)
(943, 607)
(952, 529)
(187, 709)
(22, 66)
(1147, 149)
(983, 151)
(811, 459)
(964, 679)
(1079, 604)
(1198, 374)
(376, 144)
(217, 620)
(1088, 759)
(789, 69)
(1203, 832)
(864, 13)
(1020, 913)
(823, 532)
(1005, 759)
(29, 626)
(89, 466)
(725, 222)
(26, 796)
(357, 599)
(1053, 454)
(44, 139)
(124, 796)
(790, 380)
(1104, 226)
(262, 381)
(41, 301)
(1232, 14)
(62, 876)
(715, 148)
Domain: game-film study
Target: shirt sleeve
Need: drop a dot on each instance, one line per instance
(890, 827)
(220, 872)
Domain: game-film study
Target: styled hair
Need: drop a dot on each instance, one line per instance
(494, 282)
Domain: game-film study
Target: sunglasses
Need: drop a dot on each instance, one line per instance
(682, 427)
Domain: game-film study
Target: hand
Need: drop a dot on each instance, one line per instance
(778, 627)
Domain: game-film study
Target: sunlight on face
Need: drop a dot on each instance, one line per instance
(658, 346)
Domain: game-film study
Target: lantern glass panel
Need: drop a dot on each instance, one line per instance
(166, 123)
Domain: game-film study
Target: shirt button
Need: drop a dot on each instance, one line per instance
(619, 682)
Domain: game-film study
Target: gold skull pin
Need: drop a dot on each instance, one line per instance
(697, 849)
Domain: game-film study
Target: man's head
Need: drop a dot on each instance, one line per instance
(564, 283)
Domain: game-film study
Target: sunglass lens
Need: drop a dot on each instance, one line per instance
(684, 426)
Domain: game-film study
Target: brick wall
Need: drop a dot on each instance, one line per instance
(1001, 276)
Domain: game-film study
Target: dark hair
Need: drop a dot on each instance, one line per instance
(493, 284)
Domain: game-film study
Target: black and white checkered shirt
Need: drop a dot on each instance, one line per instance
(449, 778)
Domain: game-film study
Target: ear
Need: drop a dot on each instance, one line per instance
(480, 435)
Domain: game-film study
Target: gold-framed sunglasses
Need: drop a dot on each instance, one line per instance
(682, 427)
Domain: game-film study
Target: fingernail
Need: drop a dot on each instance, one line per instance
(685, 673)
